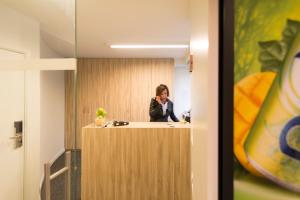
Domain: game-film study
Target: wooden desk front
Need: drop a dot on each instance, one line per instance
(142, 161)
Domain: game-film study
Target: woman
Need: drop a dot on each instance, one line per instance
(161, 107)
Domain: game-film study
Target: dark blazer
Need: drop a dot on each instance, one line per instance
(156, 112)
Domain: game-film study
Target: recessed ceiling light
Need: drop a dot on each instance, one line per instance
(151, 46)
(199, 45)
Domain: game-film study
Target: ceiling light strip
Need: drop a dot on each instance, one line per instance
(155, 46)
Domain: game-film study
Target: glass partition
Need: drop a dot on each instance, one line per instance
(37, 58)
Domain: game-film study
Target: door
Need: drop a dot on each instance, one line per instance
(12, 105)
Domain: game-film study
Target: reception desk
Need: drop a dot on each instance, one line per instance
(141, 161)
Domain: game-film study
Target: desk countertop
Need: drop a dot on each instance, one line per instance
(146, 125)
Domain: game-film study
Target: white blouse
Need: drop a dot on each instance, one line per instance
(164, 107)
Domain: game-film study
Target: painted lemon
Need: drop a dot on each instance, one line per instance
(249, 94)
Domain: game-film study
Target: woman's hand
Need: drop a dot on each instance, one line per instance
(158, 100)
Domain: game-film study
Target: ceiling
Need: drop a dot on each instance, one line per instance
(104, 22)
(100, 23)
(56, 18)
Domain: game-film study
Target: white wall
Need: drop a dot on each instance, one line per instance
(52, 115)
(213, 78)
(52, 94)
(21, 33)
(204, 21)
(182, 90)
(46, 51)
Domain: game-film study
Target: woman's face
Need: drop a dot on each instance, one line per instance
(164, 95)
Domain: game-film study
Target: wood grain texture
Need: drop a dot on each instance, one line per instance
(136, 163)
(122, 86)
(69, 110)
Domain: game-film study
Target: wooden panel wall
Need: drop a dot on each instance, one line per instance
(136, 164)
(122, 86)
(69, 110)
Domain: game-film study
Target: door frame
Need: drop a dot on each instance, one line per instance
(226, 55)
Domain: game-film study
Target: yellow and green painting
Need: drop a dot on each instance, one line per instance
(267, 100)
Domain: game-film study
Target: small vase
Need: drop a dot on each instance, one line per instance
(100, 121)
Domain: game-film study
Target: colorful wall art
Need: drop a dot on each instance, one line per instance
(267, 100)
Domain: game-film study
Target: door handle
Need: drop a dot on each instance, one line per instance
(17, 136)
(18, 140)
(18, 133)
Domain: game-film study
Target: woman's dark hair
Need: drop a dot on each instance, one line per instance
(161, 88)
